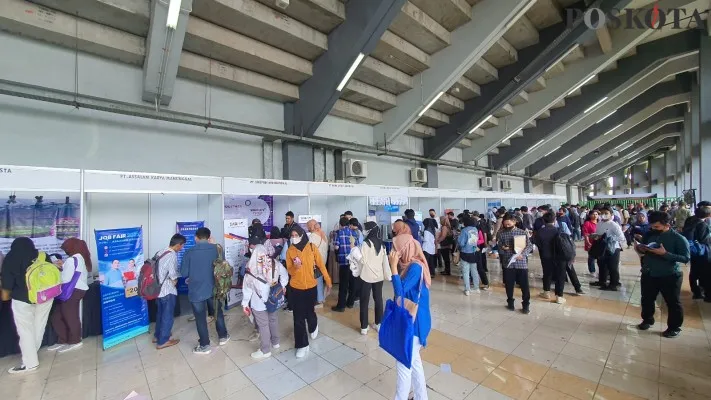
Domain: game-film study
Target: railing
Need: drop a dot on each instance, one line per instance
(653, 203)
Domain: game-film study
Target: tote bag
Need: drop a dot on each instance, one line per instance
(68, 288)
(397, 330)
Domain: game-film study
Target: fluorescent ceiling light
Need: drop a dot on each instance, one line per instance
(561, 160)
(582, 84)
(595, 105)
(552, 151)
(483, 121)
(619, 125)
(603, 118)
(562, 57)
(350, 72)
(623, 144)
(427, 107)
(540, 142)
(173, 14)
(571, 163)
(581, 168)
(512, 135)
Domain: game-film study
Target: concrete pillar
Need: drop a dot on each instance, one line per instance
(666, 174)
(569, 193)
(319, 165)
(432, 175)
(705, 117)
(338, 166)
(267, 159)
(527, 185)
(330, 167)
(495, 185)
(695, 155)
(632, 178)
(298, 161)
(686, 140)
(650, 174)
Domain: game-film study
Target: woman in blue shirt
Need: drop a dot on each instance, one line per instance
(413, 284)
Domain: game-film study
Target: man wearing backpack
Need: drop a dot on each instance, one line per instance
(543, 239)
(468, 247)
(197, 268)
(696, 230)
(167, 264)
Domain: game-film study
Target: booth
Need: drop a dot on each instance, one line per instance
(387, 204)
(425, 199)
(453, 200)
(476, 201)
(330, 200)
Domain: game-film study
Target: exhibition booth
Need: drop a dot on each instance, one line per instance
(127, 217)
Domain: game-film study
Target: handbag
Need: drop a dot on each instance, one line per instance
(598, 247)
(397, 330)
(317, 271)
(68, 288)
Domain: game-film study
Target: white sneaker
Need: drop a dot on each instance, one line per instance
(55, 347)
(545, 295)
(466, 293)
(258, 355)
(477, 291)
(314, 335)
(276, 346)
(70, 347)
(364, 331)
(202, 349)
(485, 288)
(560, 300)
(302, 352)
(376, 327)
(224, 340)
(319, 305)
(21, 369)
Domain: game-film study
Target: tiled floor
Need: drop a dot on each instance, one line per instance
(588, 348)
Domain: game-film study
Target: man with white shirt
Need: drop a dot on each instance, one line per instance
(610, 261)
(167, 261)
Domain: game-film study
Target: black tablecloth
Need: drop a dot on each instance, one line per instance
(91, 323)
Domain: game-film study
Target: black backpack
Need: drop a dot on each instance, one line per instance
(563, 247)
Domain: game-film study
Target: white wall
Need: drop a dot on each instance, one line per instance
(453, 178)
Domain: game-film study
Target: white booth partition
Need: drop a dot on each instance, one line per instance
(330, 200)
(387, 203)
(453, 200)
(424, 199)
(476, 201)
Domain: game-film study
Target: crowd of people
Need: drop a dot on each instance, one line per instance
(290, 265)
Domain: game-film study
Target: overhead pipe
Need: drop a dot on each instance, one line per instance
(22, 90)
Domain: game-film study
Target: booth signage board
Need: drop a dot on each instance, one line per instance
(302, 220)
(250, 207)
(124, 314)
(337, 189)
(388, 191)
(423, 192)
(236, 231)
(453, 194)
(136, 182)
(274, 187)
(16, 178)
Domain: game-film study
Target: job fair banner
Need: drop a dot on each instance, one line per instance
(124, 313)
(251, 208)
(188, 230)
(235, 249)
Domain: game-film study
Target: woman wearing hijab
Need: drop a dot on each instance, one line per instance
(374, 270)
(276, 241)
(445, 239)
(30, 319)
(301, 260)
(318, 237)
(264, 271)
(65, 319)
(412, 283)
(428, 244)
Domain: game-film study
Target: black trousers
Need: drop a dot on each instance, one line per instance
(573, 276)
(609, 265)
(346, 287)
(447, 257)
(482, 269)
(365, 289)
(549, 272)
(302, 302)
(670, 288)
(431, 262)
(696, 276)
(512, 276)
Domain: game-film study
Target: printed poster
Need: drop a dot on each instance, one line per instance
(188, 230)
(251, 208)
(236, 246)
(124, 313)
(48, 222)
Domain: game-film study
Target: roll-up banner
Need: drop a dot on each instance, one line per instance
(236, 231)
(124, 313)
(188, 230)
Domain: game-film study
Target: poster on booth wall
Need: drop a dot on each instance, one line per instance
(236, 246)
(124, 313)
(48, 222)
(188, 230)
(304, 219)
(250, 208)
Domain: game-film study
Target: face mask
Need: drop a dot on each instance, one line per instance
(295, 240)
(366, 233)
(605, 217)
(508, 228)
(656, 231)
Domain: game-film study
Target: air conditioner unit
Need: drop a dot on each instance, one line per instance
(506, 185)
(485, 182)
(418, 175)
(282, 3)
(356, 169)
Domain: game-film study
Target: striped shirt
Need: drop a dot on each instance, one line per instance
(505, 241)
(167, 272)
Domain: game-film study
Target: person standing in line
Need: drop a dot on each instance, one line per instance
(527, 219)
(30, 319)
(468, 247)
(318, 237)
(544, 242)
(374, 270)
(197, 268)
(263, 272)
(575, 221)
(411, 283)
(168, 274)
(589, 228)
(301, 258)
(516, 270)
(412, 223)
(662, 250)
(433, 215)
(428, 244)
(609, 263)
(277, 242)
(481, 266)
(681, 215)
(354, 224)
(65, 319)
(346, 239)
(696, 229)
(445, 239)
(290, 224)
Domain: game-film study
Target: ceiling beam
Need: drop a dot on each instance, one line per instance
(469, 43)
(609, 84)
(604, 38)
(554, 43)
(351, 41)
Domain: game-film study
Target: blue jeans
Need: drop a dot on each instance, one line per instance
(164, 318)
(319, 290)
(591, 264)
(467, 269)
(200, 310)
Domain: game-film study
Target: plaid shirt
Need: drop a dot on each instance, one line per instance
(505, 238)
(344, 244)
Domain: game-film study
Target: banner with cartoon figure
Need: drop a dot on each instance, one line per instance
(124, 313)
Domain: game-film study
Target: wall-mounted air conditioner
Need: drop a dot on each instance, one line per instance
(356, 169)
(485, 182)
(418, 175)
(505, 185)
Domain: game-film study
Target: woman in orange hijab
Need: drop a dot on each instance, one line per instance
(318, 237)
(412, 283)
